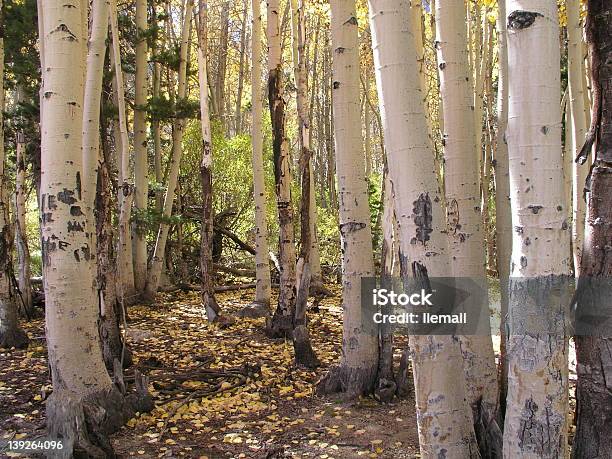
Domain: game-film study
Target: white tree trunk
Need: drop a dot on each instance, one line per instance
(157, 262)
(141, 166)
(462, 189)
(356, 374)
(281, 323)
(503, 215)
(298, 23)
(11, 335)
(263, 283)
(124, 253)
(206, 234)
(21, 237)
(537, 402)
(437, 364)
(578, 126)
(77, 369)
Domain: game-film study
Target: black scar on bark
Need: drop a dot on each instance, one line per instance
(75, 211)
(78, 185)
(522, 19)
(75, 227)
(66, 196)
(422, 216)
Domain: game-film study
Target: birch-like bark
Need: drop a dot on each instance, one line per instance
(157, 147)
(439, 379)
(241, 72)
(222, 62)
(356, 373)
(308, 212)
(93, 94)
(503, 215)
(262, 266)
(21, 237)
(81, 385)
(579, 126)
(11, 335)
(209, 302)
(125, 267)
(281, 323)
(96, 194)
(465, 230)
(157, 262)
(141, 165)
(537, 401)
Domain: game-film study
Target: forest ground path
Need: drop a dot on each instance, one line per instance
(268, 414)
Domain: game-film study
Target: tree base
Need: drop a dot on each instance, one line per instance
(16, 338)
(304, 354)
(255, 310)
(352, 382)
(279, 326)
(83, 424)
(488, 433)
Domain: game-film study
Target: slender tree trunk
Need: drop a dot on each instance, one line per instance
(578, 126)
(262, 266)
(126, 189)
(281, 323)
(141, 166)
(593, 353)
(206, 236)
(436, 360)
(243, 45)
(81, 385)
(21, 237)
(95, 192)
(157, 147)
(356, 373)
(11, 335)
(537, 402)
(222, 62)
(465, 226)
(309, 246)
(157, 262)
(503, 215)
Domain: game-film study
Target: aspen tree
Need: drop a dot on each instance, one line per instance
(503, 215)
(112, 343)
(356, 373)
(262, 266)
(125, 267)
(281, 323)
(157, 263)
(141, 165)
(594, 364)
(308, 212)
(537, 401)
(462, 189)
(21, 237)
(81, 385)
(11, 335)
(443, 413)
(579, 125)
(206, 262)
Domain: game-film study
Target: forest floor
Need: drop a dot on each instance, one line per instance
(270, 413)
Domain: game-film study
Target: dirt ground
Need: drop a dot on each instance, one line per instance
(271, 413)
